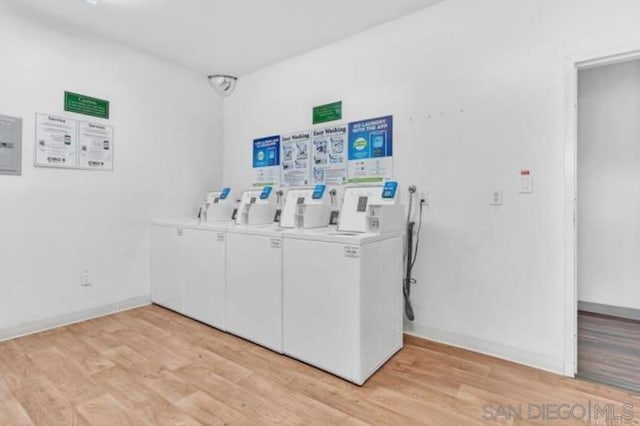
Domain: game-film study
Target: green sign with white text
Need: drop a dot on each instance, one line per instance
(86, 105)
(328, 112)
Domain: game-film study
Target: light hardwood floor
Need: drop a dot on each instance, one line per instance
(150, 366)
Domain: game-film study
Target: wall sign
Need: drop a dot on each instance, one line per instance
(96, 146)
(295, 159)
(71, 144)
(86, 105)
(266, 160)
(347, 153)
(329, 155)
(371, 150)
(328, 112)
(56, 142)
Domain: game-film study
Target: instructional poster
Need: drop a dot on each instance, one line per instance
(56, 141)
(329, 155)
(371, 150)
(96, 146)
(295, 159)
(266, 160)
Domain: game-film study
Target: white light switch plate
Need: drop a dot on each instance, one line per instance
(496, 198)
(526, 182)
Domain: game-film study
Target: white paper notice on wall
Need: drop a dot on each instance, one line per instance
(295, 159)
(329, 155)
(96, 146)
(56, 142)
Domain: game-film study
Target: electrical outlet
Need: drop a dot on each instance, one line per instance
(423, 197)
(496, 198)
(85, 279)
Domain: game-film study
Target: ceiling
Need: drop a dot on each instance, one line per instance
(230, 37)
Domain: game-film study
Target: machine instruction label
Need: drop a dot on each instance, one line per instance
(275, 243)
(350, 251)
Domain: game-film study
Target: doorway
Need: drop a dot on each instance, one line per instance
(608, 224)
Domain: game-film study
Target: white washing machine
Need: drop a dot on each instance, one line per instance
(188, 262)
(254, 271)
(342, 289)
(254, 266)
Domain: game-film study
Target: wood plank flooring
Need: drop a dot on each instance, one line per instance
(609, 350)
(150, 366)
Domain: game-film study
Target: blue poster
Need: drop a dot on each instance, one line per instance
(266, 152)
(371, 150)
(266, 160)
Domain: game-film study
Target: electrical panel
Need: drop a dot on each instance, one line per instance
(10, 146)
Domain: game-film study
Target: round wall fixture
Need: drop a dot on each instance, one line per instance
(223, 84)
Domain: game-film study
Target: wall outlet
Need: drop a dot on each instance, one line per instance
(496, 198)
(423, 196)
(85, 279)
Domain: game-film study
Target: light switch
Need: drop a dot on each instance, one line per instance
(526, 182)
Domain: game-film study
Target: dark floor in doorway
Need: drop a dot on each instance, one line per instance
(609, 351)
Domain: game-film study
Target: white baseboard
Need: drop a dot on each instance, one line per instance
(497, 350)
(613, 311)
(74, 317)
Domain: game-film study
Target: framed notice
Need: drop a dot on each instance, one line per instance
(96, 146)
(56, 142)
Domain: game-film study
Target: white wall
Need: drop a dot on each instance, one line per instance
(56, 223)
(477, 89)
(609, 185)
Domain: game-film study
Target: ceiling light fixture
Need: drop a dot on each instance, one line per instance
(224, 85)
(93, 2)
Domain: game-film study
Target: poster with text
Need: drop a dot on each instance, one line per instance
(266, 160)
(295, 159)
(329, 155)
(56, 141)
(371, 150)
(96, 146)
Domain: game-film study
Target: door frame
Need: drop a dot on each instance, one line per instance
(573, 65)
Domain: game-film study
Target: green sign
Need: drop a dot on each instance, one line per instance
(86, 105)
(328, 112)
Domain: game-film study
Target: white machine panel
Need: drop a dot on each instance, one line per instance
(306, 208)
(254, 288)
(355, 207)
(371, 209)
(257, 207)
(219, 206)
